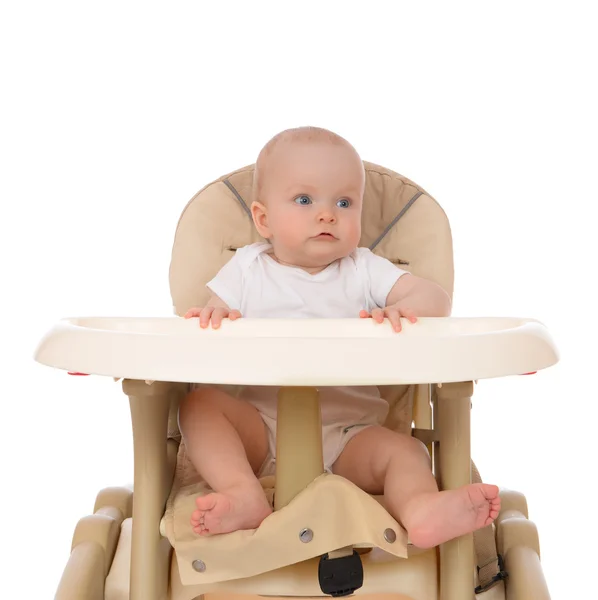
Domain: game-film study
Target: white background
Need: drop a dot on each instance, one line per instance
(115, 114)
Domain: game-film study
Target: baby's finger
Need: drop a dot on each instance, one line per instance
(378, 315)
(204, 316)
(364, 314)
(192, 312)
(234, 314)
(394, 317)
(217, 316)
(409, 313)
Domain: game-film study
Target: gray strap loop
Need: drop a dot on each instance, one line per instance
(396, 219)
(231, 187)
(244, 206)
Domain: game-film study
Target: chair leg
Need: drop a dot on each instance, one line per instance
(453, 419)
(149, 551)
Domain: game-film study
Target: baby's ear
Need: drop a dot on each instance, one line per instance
(259, 214)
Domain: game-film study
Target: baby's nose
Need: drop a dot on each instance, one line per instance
(327, 217)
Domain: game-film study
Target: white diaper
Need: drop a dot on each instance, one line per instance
(334, 440)
(345, 410)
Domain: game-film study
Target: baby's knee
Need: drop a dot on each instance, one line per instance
(396, 448)
(419, 446)
(407, 444)
(197, 401)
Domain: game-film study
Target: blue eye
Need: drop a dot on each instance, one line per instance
(303, 200)
(344, 203)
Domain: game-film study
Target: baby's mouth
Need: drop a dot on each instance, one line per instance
(325, 236)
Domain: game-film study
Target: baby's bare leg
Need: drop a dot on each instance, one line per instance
(382, 461)
(227, 443)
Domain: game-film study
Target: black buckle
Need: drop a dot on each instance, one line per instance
(340, 576)
(500, 576)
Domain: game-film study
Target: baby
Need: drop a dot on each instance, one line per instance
(308, 194)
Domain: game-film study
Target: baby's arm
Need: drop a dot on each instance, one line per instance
(228, 283)
(215, 310)
(412, 297)
(398, 293)
(421, 296)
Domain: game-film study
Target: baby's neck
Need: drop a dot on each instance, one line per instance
(312, 270)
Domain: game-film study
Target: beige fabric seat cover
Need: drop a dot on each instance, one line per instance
(215, 223)
(328, 508)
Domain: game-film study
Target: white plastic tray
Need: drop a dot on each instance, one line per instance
(299, 351)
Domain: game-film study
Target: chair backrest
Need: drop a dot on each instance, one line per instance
(400, 222)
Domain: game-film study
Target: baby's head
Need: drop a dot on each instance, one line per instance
(308, 194)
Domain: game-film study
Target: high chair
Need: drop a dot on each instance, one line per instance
(325, 537)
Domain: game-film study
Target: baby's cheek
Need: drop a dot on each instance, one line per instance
(290, 231)
(354, 231)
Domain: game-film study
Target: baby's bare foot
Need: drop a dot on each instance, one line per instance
(243, 507)
(434, 518)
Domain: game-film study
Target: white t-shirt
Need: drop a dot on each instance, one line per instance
(259, 287)
(253, 283)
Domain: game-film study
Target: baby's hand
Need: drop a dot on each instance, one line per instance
(215, 314)
(392, 313)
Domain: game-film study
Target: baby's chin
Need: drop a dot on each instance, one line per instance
(315, 253)
(326, 252)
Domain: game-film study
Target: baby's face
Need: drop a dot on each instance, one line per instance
(313, 194)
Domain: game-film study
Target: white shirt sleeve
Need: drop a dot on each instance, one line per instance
(228, 282)
(380, 275)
